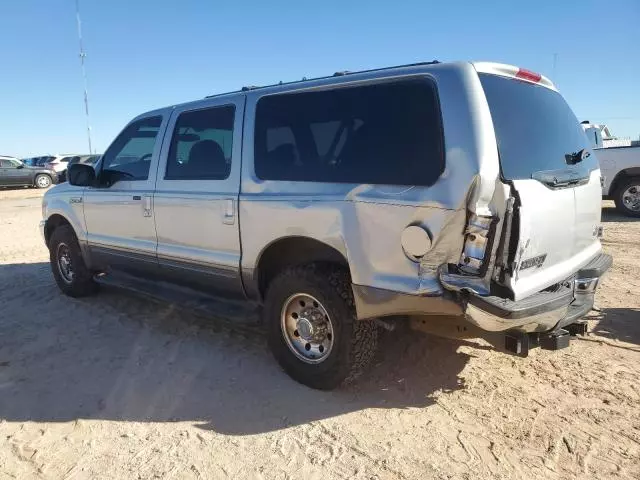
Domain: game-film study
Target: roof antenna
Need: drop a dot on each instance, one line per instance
(84, 74)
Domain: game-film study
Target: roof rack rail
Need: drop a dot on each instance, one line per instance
(336, 74)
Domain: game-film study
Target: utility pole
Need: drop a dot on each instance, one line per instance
(84, 74)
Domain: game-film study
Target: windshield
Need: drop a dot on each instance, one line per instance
(535, 129)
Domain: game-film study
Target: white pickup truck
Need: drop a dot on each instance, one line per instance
(620, 167)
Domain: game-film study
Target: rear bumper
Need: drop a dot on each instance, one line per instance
(543, 311)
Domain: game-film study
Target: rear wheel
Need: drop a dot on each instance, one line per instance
(68, 267)
(42, 180)
(313, 331)
(627, 197)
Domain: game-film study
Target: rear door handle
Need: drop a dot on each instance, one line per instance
(137, 197)
(147, 206)
(229, 212)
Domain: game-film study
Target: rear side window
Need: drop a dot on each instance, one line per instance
(201, 145)
(388, 133)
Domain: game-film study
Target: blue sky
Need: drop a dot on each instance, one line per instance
(145, 54)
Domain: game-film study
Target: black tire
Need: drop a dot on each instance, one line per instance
(618, 196)
(82, 283)
(355, 341)
(42, 180)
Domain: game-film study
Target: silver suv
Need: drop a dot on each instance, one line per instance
(462, 195)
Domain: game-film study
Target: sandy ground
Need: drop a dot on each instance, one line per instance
(117, 387)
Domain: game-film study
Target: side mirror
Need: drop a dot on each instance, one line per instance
(81, 175)
(20, 166)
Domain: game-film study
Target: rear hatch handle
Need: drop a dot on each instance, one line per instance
(562, 178)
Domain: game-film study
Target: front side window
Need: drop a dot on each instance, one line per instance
(129, 157)
(8, 163)
(201, 145)
(387, 133)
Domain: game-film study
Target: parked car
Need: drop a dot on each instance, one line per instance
(43, 161)
(345, 203)
(14, 173)
(620, 166)
(86, 159)
(60, 163)
(35, 161)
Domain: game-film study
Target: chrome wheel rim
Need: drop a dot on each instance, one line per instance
(65, 266)
(631, 198)
(307, 328)
(43, 181)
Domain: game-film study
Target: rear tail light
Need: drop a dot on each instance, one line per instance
(476, 239)
(528, 75)
(49, 166)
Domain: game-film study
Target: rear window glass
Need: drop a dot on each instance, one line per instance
(388, 133)
(535, 128)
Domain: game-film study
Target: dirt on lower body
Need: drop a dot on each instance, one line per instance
(114, 386)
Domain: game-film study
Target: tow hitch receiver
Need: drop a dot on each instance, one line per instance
(555, 340)
(578, 328)
(519, 343)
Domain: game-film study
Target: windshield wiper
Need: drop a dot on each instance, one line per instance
(576, 157)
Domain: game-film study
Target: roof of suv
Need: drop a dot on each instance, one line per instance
(500, 69)
(336, 74)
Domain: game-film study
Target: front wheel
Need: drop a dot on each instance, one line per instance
(627, 197)
(68, 267)
(313, 331)
(43, 180)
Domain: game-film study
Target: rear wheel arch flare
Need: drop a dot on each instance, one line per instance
(291, 251)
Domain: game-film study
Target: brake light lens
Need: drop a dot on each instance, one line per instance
(476, 241)
(49, 166)
(528, 75)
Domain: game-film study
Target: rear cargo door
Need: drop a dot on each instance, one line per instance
(555, 178)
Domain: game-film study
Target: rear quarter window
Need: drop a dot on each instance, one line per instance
(386, 133)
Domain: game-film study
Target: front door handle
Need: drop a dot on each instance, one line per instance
(229, 217)
(137, 197)
(146, 206)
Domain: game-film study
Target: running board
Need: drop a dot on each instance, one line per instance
(235, 312)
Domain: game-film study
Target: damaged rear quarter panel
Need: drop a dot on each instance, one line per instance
(365, 222)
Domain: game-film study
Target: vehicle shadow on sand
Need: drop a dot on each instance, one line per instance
(117, 356)
(611, 214)
(622, 324)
